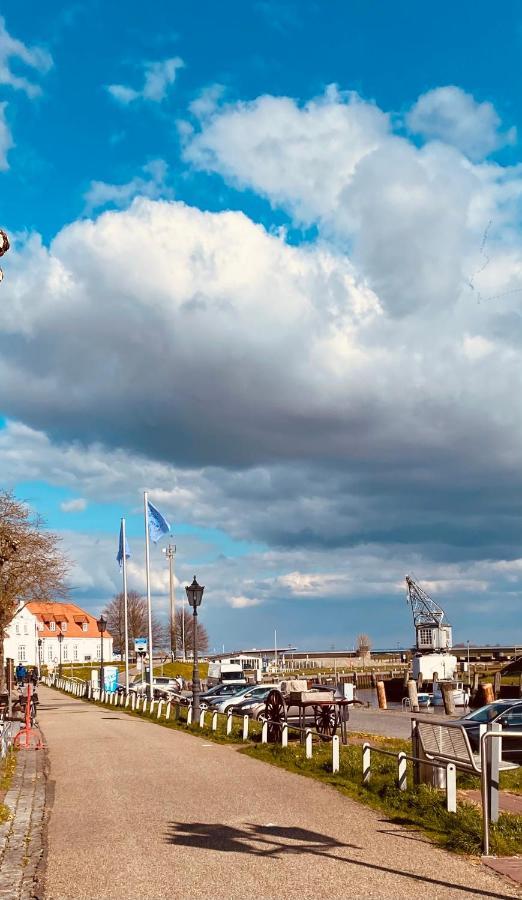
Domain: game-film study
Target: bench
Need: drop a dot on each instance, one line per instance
(449, 743)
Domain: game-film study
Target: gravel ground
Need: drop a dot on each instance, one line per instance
(140, 811)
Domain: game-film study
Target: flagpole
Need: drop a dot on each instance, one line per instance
(125, 605)
(149, 607)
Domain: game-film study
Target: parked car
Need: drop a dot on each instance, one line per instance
(228, 691)
(255, 693)
(507, 713)
(221, 690)
(162, 686)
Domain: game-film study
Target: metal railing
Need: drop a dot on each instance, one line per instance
(486, 776)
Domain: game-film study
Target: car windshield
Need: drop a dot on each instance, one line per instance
(487, 713)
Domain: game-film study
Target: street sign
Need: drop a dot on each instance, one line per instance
(141, 645)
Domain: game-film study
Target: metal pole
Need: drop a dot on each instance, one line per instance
(102, 673)
(170, 553)
(60, 665)
(183, 629)
(149, 606)
(125, 606)
(196, 686)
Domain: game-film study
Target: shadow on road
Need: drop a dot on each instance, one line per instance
(275, 842)
(259, 840)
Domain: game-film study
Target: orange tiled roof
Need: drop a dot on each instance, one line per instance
(73, 615)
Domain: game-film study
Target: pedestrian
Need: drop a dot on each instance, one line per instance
(20, 673)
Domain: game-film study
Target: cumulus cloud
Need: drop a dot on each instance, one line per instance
(346, 404)
(77, 504)
(14, 50)
(158, 78)
(152, 184)
(242, 602)
(451, 115)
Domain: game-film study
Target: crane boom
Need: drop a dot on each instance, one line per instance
(424, 610)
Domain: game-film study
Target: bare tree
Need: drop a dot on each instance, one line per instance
(184, 617)
(137, 620)
(32, 563)
(363, 645)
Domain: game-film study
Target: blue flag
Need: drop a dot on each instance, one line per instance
(120, 548)
(158, 525)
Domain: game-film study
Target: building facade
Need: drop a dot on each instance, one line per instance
(32, 636)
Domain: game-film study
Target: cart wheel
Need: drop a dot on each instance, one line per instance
(275, 713)
(325, 721)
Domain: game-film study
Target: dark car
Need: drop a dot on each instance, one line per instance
(507, 713)
(220, 692)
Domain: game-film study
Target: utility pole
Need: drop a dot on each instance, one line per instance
(170, 552)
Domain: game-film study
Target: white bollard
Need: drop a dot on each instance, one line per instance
(167, 712)
(308, 743)
(202, 718)
(366, 763)
(245, 728)
(144, 707)
(335, 753)
(284, 735)
(214, 721)
(127, 701)
(451, 788)
(160, 708)
(133, 701)
(189, 715)
(152, 704)
(264, 733)
(229, 721)
(402, 772)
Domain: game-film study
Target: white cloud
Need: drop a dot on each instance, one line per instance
(6, 138)
(158, 78)
(151, 184)
(77, 504)
(451, 115)
(242, 602)
(35, 58)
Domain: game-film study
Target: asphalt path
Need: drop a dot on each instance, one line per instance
(141, 811)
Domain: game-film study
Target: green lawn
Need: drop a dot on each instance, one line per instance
(7, 770)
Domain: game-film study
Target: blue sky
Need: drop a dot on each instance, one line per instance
(317, 388)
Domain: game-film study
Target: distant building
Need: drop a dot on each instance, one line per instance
(32, 636)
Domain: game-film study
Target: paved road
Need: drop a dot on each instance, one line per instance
(140, 811)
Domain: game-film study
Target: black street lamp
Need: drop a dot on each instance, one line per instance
(102, 627)
(40, 653)
(194, 597)
(60, 642)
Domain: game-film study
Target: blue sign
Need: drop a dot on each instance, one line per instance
(110, 679)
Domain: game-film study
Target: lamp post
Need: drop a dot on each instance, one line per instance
(40, 644)
(170, 552)
(194, 597)
(102, 627)
(60, 642)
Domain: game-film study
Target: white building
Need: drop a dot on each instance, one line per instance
(32, 636)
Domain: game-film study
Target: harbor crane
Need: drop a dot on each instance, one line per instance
(432, 632)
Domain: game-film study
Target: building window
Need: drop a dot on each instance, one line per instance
(64, 626)
(40, 626)
(98, 651)
(52, 626)
(425, 637)
(75, 651)
(50, 654)
(65, 651)
(87, 658)
(18, 627)
(85, 626)
(21, 653)
(26, 627)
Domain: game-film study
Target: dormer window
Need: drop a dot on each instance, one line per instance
(85, 626)
(64, 626)
(52, 626)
